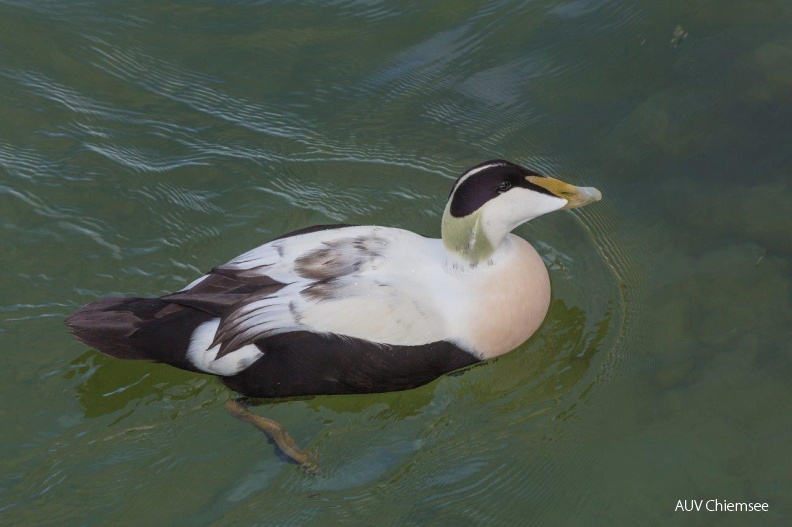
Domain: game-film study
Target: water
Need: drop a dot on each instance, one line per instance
(141, 144)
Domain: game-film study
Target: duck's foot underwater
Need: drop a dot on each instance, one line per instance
(275, 431)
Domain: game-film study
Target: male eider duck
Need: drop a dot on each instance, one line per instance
(355, 309)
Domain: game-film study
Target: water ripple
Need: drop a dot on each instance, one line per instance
(68, 97)
(142, 161)
(166, 79)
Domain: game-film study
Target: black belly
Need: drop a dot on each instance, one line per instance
(304, 363)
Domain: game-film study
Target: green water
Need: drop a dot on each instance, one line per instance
(142, 143)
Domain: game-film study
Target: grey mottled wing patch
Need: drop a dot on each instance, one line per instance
(339, 257)
(317, 274)
(267, 290)
(336, 260)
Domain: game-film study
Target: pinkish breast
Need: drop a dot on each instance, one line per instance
(512, 301)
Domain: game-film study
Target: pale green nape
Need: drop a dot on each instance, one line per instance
(465, 236)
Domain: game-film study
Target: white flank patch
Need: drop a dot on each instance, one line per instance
(203, 358)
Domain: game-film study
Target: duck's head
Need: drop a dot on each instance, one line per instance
(491, 199)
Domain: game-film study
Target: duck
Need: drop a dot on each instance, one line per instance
(344, 309)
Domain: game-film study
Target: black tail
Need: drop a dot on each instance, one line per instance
(138, 328)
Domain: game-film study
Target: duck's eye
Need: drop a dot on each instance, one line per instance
(504, 186)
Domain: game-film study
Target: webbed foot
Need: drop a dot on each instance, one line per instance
(275, 431)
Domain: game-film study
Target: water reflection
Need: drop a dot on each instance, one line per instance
(109, 385)
(460, 413)
(514, 389)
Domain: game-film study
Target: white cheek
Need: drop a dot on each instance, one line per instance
(515, 207)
